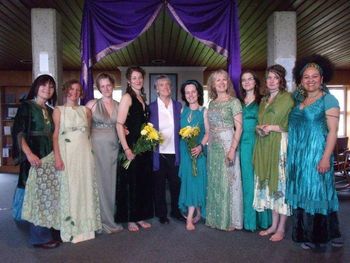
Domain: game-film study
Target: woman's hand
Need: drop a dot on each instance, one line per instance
(266, 129)
(323, 165)
(59, 165)
(230, 157)
(196, 151)
(33, 159)
(129, 154)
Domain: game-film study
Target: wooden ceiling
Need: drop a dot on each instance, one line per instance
(323, 26)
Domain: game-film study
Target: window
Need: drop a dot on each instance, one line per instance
(340, 93)
(117, 94)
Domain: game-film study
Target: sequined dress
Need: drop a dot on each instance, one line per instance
(224, 192)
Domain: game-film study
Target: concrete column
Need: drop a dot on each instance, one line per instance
(282, 42)
(47, 45)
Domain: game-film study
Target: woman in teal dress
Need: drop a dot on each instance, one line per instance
(193, 186)
(224, 198)
(313, 125)
(250, 91)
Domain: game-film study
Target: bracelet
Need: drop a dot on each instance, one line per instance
(126, 149)
(202, 146)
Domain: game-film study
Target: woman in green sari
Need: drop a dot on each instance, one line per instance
(270, 152)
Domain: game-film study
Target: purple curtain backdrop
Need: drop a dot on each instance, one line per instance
(108, 26)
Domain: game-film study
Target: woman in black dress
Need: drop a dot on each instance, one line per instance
(134, 185)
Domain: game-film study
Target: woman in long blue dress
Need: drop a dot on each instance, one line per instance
(312, 134)
(193, 186)
(250, 91)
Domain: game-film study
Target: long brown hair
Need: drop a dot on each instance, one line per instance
(129, 89)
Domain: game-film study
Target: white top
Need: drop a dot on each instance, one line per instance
(166, 127)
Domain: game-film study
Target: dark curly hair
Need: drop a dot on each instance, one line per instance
(256, 87)
(323, 62)
(129, 89)
(199, 89)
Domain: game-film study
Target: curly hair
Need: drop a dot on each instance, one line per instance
(280, 71)
(199, 89)
(129, 89)
(321, 61)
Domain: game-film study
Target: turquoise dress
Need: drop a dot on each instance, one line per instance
(312, 195)
(193, 190)
(252, 219)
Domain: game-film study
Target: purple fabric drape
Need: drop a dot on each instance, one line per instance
(111, 25)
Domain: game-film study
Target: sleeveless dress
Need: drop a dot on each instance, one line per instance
(193, 188)
(105, 147)
(270, 154)
(224, 198)
(252, 219)
(310, 193)
(135, 184)
(79, 194)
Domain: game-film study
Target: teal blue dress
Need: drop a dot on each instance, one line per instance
(312, 195)
(252, 220)
(193, 189)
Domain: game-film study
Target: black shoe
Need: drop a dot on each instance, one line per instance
(178, 217)
(49, 245)
(163, 220)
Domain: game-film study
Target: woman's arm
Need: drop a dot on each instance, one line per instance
(199, 148)
(123, 110)
(31, 157)
(56, 116)
(237, 119)
(332, 116)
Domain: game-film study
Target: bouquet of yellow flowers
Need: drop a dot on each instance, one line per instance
(148, 140)
(190, 134)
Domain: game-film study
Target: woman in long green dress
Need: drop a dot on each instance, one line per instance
(270, 152)
(79, 202)
(193, 189)
(250, 91)
(32, 145)
(224, 198)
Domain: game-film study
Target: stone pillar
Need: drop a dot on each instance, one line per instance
(47, 45)
(282, 42)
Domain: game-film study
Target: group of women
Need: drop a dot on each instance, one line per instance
(259, 159)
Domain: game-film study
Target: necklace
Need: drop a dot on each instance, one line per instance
(313, 96)
(190, 116)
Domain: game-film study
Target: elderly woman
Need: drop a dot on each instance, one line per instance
(32, 141)
(270, 152)
(134, 185)
(193, 186)
(79, 203)
(313, 125)
(250, 91)
(105, 147)
(224, 198)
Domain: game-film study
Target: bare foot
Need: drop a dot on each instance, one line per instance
(132, 227)
(190, 226)
(144, 224)
(231, 228)
(266, 232)
(278, 236)
(196, 219)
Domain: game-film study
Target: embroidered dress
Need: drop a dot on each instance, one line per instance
(224, 193)
(252, 219)
(193, 188)
(310, 193)
(35, 125)
(270, 156)
(79, 195)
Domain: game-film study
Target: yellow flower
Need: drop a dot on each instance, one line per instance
(150, 124)
(153, 135)
(144, 132)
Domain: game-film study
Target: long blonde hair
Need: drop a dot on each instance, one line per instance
(211, 84)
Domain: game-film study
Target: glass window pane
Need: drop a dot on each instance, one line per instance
(340, 95)
(341, 129)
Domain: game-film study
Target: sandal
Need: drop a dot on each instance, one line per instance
(132, 227)
(308, 245)
(144, 224)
